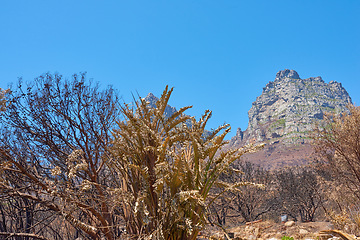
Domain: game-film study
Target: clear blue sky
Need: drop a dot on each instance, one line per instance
(217, 54)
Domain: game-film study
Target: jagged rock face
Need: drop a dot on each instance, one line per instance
(289, 106)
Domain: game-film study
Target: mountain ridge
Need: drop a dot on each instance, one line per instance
(289, 106)
(283, 117)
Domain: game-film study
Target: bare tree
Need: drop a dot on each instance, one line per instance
(53, 149)
(252, 201)
(338, 143)
(299, 191)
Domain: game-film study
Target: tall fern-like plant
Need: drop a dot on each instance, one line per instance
(166, 168)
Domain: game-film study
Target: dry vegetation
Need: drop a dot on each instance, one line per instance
(337, 143)
(2, 99)
(75, 163)
(73, 158)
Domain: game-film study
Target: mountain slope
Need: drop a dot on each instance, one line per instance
(284, 114)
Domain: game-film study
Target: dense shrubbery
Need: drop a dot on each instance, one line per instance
(55, 136)
(252, 202)
(297, 192)
(337, 142)
(167, 169)
(70, 151)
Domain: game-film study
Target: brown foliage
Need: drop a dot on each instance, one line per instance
(299, 192)
(153, 173)
(338, 143)
(3, 99)
(252, 201)
(167, 168)
(53, 150)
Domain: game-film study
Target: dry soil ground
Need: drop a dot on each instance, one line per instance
(268, 230)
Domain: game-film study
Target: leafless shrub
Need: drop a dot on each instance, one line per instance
(299, 192)
(337, 143)
(53, 147)
(253, 201)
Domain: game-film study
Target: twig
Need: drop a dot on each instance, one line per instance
(34, 236)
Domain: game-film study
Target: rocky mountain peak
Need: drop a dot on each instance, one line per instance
(151, 96)
(283, 117)
(288, 107)
(152, 100)
(287, 73)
